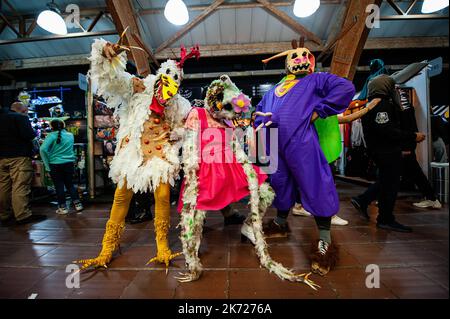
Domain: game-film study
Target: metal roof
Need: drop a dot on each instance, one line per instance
(225, 26)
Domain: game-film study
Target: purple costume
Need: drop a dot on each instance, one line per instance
(303, 171)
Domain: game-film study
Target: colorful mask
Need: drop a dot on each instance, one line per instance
(225, 100)
(165, 89)
(170, 74)
(298, 60)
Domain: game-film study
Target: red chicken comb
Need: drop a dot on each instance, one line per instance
(195, 52)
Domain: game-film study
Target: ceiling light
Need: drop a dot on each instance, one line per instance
(176, 12)
(305, 8)
(430, 6)
(51, 20)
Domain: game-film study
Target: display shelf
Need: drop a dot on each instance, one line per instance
(104, 128)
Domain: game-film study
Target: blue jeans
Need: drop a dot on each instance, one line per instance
(62, 175)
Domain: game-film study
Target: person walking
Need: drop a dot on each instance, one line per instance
(58, 157)
(385, 139)
(411, 170)
(16, 171)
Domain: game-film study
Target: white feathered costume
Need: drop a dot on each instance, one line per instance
(130, 164)
(147, 154)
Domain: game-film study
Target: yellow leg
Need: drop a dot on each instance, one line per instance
(162, 225)
(114, 229)
(122, 199)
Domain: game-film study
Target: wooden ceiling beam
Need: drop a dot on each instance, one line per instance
(349, 48)
(146, 48)
(202, 16)
(335, 33)
(2, 26)
(411, 5)
(17, 14)
(414, 17)
(53, 37)
(9, 24)
(288, 21)
(218, 50)
(234, 50)
(337, 25)
(396, 7)
(94, 22)
(122, 12)
(31, 27)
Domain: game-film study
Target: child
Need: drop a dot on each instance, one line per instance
(58, 157)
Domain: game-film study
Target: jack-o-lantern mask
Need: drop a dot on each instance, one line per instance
(298, 61)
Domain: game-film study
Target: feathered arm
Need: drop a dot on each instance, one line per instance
(109, 76)
(180, 108)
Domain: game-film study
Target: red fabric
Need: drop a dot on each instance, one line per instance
(222, 183)
(156, 107)
(347, 134)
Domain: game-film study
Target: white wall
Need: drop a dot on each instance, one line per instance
(421, 101)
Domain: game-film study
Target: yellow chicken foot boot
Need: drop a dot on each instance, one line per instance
(110, 243)
(164, 257)
(163, 254)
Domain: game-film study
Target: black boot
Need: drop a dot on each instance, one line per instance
(234, 219)
(31, 219)
(360, 207)
(395, 226)
(143, 216)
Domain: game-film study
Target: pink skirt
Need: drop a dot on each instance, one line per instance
(221, 184)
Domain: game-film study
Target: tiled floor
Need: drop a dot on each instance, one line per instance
(33, 258)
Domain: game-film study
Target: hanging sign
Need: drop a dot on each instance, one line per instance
(435, 67)
(82, 82)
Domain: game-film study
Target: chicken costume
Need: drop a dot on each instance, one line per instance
(303, 173)
(218, 173)
(151, 116)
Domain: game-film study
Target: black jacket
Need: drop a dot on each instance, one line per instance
(382, 129)
(409, 123)
(16, 135)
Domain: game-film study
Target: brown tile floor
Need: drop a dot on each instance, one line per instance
(33, 258)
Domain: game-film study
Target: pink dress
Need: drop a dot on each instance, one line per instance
(221, 178)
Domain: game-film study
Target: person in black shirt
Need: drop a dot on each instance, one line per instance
(411, 170)
(16, 171)
(385, 138)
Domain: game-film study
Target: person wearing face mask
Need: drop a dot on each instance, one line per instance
(385, 138)
(151, 113)
(217, 172)
(303, 173)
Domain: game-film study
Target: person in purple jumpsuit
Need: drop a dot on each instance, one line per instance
(303, 172)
